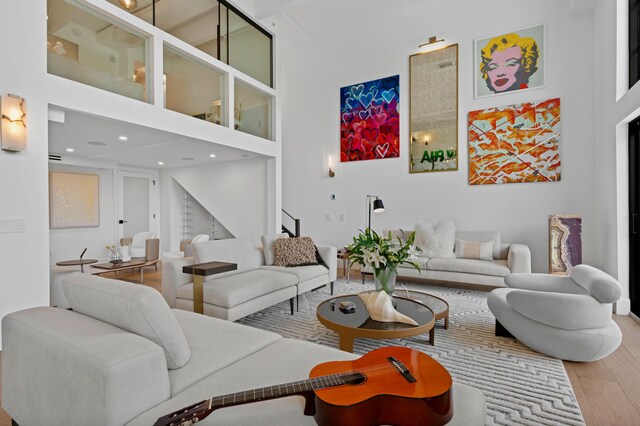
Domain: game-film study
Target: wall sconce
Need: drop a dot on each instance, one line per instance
(432, 40)
(331, 172)
(14, 123)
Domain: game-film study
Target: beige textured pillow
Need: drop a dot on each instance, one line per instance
(298, 251)
(481, 250)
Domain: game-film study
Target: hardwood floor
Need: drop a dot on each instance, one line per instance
(608, 390)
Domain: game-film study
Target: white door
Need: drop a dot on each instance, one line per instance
(136, 206)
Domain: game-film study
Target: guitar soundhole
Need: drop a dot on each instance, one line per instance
(354, 378)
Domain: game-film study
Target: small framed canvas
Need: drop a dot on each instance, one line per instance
(74, 200)
(509, 61)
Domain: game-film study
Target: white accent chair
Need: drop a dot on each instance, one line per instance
(566, 317)
(138, 243)
(185, 248)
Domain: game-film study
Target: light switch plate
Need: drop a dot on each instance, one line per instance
(9, 225)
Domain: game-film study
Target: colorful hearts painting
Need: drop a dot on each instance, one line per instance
(369, 120)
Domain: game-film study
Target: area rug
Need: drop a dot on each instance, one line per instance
(521, 386)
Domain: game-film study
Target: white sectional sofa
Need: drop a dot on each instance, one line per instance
(252, 287)
(122, 357)
(507, 259)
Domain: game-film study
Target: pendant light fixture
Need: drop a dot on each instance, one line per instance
(130, 5)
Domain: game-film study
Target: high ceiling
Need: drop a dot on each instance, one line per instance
(96, 138)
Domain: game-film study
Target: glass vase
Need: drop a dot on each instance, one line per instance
(385, 279)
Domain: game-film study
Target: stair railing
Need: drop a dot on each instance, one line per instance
(296, 224)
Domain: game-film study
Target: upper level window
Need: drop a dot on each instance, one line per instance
(94, 50)
(634, 42)
(213, 26)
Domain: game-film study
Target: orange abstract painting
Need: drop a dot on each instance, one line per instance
(516, 143)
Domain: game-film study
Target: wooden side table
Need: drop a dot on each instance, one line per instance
(346, 263)
(201, 270)
(77, 262)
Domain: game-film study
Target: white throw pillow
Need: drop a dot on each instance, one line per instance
(436, 241)
(267, 247)
(481, 250)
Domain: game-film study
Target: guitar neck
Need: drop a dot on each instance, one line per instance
(196, 412)
(277, 391)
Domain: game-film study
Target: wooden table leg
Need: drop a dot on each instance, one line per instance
(346, 342)
(198, 294)
(432, 336)
(446, 322)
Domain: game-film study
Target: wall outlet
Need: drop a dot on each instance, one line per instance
(333, 197)
(342, 217)
(10, 225)
(327, 217)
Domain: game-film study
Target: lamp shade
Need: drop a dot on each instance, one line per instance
(378, 206)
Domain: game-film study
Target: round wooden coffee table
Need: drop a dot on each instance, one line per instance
(349, 326)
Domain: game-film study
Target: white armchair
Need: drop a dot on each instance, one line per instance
(564, 317)
(138, 243)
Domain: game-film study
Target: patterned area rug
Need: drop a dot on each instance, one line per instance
(522, 387)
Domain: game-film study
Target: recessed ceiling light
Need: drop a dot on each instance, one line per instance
(96, 143)
(70, 149)
(212, 155)
(160, 163)
(187, 159)
(123, 138)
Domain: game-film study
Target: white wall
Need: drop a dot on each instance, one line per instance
(519, 211)
(615, 107)
(235, 192)
(66, 244)
(24, 257)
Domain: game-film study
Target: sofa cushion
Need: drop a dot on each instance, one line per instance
(436, 241)
(215, 344)
(135, 308)
(235, 250)
(496, 268)
(480, 250)
(303, 273)
(484, 236)
(602, 286)
(267, 246)
(233, 290)
(299, 251)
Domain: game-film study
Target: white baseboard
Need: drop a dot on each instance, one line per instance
(634, 317)
(623, 307)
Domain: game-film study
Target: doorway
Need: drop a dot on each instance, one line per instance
(634, 215)
(136, 203)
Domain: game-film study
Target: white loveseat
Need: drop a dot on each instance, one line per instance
(252, 287)
(507, 259)
(122, 357)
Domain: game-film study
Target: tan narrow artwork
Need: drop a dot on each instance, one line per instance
(74, 200)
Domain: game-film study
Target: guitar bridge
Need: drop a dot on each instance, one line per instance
(402, 369)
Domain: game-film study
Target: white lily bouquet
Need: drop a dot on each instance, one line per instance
(383, 255)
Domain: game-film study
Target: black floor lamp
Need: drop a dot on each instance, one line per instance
(378, 207)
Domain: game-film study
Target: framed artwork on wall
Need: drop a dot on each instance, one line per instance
(510, 61)
(370, 120)
(515, 144)
(565, 243)
(74, 200)
(434, 110)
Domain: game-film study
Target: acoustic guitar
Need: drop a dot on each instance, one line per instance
(388, 386)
